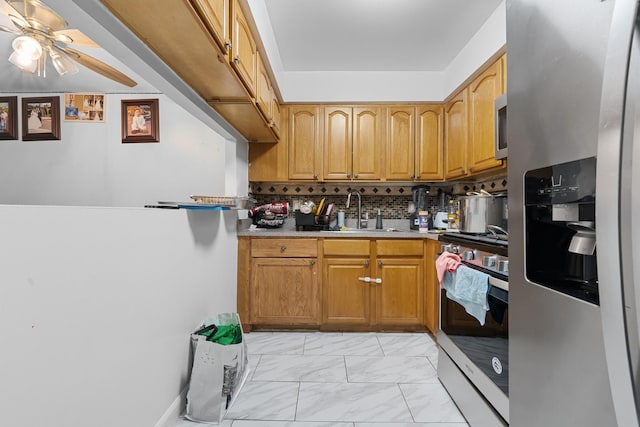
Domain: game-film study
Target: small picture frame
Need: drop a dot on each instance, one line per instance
(84, 107)
(41, 118)
(140, 120)
(8, 117)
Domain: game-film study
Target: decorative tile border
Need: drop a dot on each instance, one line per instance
(391, 198)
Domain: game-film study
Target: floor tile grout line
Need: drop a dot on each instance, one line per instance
(404, 398)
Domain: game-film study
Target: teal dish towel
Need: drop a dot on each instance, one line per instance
(469, 288)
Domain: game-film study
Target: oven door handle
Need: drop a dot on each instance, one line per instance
(499, 283)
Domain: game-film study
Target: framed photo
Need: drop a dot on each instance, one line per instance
(140, 120)
(84, 107)
(41, 118)
(8, 117)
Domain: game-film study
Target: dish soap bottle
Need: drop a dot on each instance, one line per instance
(379, 220)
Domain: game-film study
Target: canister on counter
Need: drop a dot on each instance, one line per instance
(423, 221)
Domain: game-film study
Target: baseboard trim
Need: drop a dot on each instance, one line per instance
(171, 415)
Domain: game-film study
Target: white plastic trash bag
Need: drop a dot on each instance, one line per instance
(218, 373)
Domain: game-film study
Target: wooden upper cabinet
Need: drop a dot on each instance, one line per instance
(429, 141)
(482, 93)
(455, 136)
(400, 161)
(353, 138)
(215, 15)
(276, 114)
(368, 140)
(338, 130)
(414, 143)
(264, 93)
(305, 154)
(243, 49)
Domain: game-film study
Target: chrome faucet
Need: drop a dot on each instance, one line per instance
(357, 193)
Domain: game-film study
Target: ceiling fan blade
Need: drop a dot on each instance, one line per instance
(9, 30)
(98, 66)
(38, 15)
(76, 37)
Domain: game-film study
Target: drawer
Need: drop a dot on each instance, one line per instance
(346, 247)
(285, 248)
(413, 247)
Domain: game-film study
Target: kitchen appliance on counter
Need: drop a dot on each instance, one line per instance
(481, 211)
(473, 362)
(420, 197)
(573, 118)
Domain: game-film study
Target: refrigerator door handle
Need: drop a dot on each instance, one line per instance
(617, 294)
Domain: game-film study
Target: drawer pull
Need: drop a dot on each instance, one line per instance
(283, 248)
(380, 263)
(366, 263)
(312, 262)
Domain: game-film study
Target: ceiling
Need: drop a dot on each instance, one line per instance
(374, 35)
(365, 50)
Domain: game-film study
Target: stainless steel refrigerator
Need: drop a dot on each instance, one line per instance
(573, 71)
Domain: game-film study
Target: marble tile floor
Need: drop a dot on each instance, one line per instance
(316, 379)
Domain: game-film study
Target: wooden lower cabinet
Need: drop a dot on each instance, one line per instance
(284, 291)
(400, 296)
(346, 300)
(317, 283)
(283, 285)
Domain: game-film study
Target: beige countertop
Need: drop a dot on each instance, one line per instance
(400, 231)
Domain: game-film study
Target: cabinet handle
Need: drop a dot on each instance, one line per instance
(417, 176)
(312, 262)
(236, 60)
(369, 280)
(461, 170)
(315, 176)
(348, 175)
(356, 175)
(366, 263)
(227, 45)
(283, 248)
(470, 168)
(380, 264)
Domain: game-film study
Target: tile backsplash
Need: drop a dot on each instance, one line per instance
(392, 199)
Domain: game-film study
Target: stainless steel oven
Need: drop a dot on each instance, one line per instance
(473, 363)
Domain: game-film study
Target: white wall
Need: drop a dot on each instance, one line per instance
(91, 166)
(96, 307)
(489, 39)
(97, 303)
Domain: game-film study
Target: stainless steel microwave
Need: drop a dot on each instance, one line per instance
(501, 126)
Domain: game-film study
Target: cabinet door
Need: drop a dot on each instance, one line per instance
(346, 300)
(428, 142)
(400, 143)
(337, 143)
(304, 142)
(455, 136)
(482, 93)
(400, 297)
(263, 91)
(432, 297)
(243, 50)
(276, 115)
(368, 140)
(215, 14)
(284, 291)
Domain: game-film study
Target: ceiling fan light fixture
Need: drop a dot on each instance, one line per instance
(62, 64)
(27, 46)
(23, 62)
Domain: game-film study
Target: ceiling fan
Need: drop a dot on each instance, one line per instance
(42, 34)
